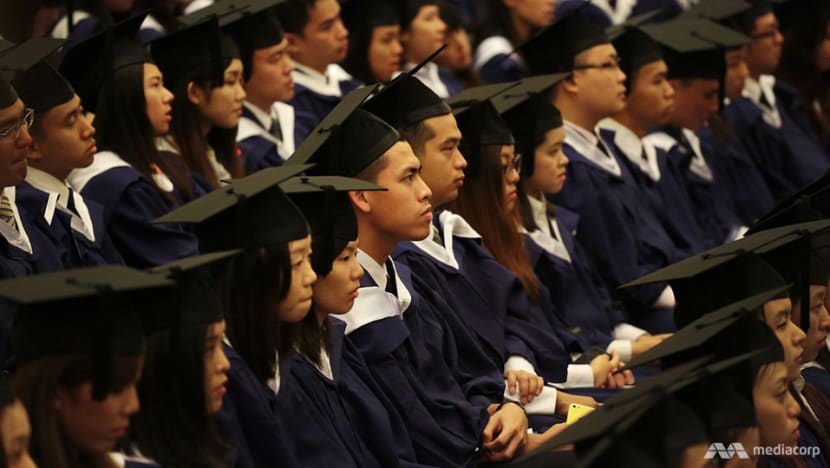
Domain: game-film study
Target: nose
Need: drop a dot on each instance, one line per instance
(88, 130)
(131, 403)
(168, 96)
(357, 272)
(240, 91)
(778, 38)
(793, 408)
(564, 157)
(442, 27)
(397, 48)
(24, 138)
(224, 365)
(461, 162)
(798, 336)
(620, 76)
(668, 90)
(824, 319)
(514, 175)
(424, 193)
(311, 276)
(342, 32)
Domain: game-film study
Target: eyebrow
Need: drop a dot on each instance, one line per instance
(300, 250)
(452, 139)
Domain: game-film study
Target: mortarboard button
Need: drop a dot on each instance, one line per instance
(232, 217)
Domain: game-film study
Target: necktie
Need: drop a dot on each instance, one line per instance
(7, 212)
(275, 130)
(764, 101)
(70, 203)
(643, 154)
(601, 147)
(436, 237)
(391, 283)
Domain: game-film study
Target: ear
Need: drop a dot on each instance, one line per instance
(61, 398)
(569, 85)
(361, 202)
(294, 43)
(195, 94)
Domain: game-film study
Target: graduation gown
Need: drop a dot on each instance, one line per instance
(661, 184)
(817, 376)
(342, 419)
(787, 155)
(617, 227)
(259, 148)
(130, 203)
(737, 173)
(250, 418)
(414, 360)
(711, 202)
(495, 61)
(438, 79)
(316, 95)
(81, 239)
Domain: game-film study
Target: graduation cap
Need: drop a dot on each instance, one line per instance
(408, 10)
(91, 63)
(325, 203)
(406, 100)
(249, 213)
(193, 51)
(253, 24)
(635, 49)
(745, 20)
(17, 60)
(720, 10)
(348, 139)
(6, 394)
(809, 204)
(479, 121)
(805, 17)
(727, 273)
(528, 111)
(552, 49)
(95, 312)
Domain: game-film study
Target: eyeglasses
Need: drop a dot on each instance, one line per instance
(515, 164)
(765, 35)
(13, 130)
(612, 64)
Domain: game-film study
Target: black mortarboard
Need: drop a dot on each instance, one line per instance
(331, 218)
(91, 63)
(809, 204)
(195, 299)
(250, 213)
(42, 87)
(552, 50)
(727, 273)
(719, 10)
(707, 64)
(363, 15)
(744, 20)
(197, 50)
(348, 139)
(17, 60)
(408, 10)
(635, 49)
(479, 122)
(803, 16)
(528, 111)
(94, 311)
(6, 395)
(405, 102)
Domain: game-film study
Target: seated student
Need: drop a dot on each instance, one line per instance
(77, 372)
(503, 25)
(649, 102)
(331, 391)
(735, 168)
(805, 60)
(62, 141)
(769, 117)
(266, 135)
(202, 138)
(452, 262)
(270, 281)
(457, 58)
(375, 50)
(15, 429)
(26, 244)
(697, 98)
(558, 260)
(128, 177)
(185, 372)
(617, 226)
(422, 33)
(453, 408)
(317, 42)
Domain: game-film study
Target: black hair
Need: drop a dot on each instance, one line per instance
(357, 57)
(250, 289)
(174, 426)
(493, 19)
(294, 15)
(121, 126)
(164, 11)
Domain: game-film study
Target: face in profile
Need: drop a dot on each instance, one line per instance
(775, 408)
(297, 302)
(777, 315)
(216, 367)
(336, 292)
(16, 432)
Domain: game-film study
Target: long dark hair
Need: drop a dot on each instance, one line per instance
(357, 57)
(494, 18)
(251, 288)
(122, 126)
(37, 383)
(187, 133)
(174, 427)
(525, 213)
(481, 202)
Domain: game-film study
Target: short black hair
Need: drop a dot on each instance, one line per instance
(294, 14)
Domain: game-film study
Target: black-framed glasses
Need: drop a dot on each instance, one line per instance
(765, 35)
(515, 164)
(13, 130)
(612, 64)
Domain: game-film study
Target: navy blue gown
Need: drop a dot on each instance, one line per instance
(311, 106)
(344, 421)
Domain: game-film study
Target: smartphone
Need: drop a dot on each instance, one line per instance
(577, 412)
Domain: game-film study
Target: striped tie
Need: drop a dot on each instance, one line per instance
(7, 212)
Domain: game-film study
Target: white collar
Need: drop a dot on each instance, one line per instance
(263, 117)
(452, 226)
(763, 86)
(617, 14)
(539, 210)
(428, 74)
(542, 236)
(812, 364)
(491, 47)
(373, 303)
(16, 237)
(585, 143)
(327, 84)
(666, 142)
(325, 364)
(48, 183)
(378, 274)
(798, 385)
(632, 147)
(58, 192)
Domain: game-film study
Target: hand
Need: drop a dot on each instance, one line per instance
(534, 441)
(529, 385)
(604, 368)
(645, 342)
(505, 433)
(565, 400)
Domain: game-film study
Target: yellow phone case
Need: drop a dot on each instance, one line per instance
(577, 412)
